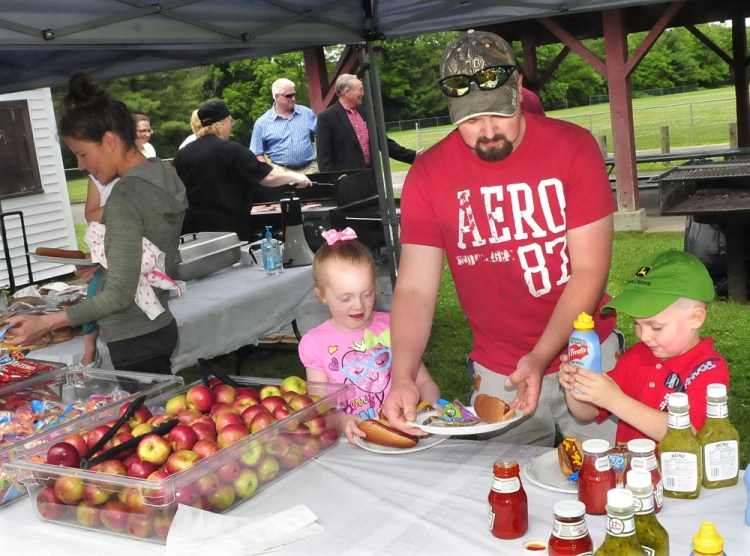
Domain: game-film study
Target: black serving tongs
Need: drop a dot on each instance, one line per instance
(87, 460)
(207, 369)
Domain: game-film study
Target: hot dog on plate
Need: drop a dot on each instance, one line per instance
(382, 434)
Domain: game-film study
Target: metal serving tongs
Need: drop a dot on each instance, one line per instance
(207, 369)
(87, 461)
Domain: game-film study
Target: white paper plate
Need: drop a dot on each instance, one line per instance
(423, 444)
(62, 260)
(544, 471)
(478, 428)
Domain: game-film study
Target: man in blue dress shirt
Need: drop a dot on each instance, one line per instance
(283, 136)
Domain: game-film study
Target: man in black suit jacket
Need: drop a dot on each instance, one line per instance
(342, 136)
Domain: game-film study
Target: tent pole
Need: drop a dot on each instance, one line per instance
(380, 161)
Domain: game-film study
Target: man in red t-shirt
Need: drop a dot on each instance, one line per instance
(521, 207)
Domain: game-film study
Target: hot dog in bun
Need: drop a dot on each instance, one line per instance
(382, 434)
(570, 455)
(60, 253)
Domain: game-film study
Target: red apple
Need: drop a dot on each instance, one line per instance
(205, 431)
(252, 411)
(272, 402)
(157, 420)
(228, 472)
(230, 434)
(267, 469)
(141, 415)
(134, 501)
(208, 484)
(227, 418)
(88, 514)
(310, 448)
(199, 397)
(153, 448)
(123, 428)
(292, 458)
(245, 483)
(269, 390)
(69, 490)
(187, 416)
(47, 504)
(181, 460)
(139, 526)
(224, 393)
(242, 392)
(95, 495)
(162, 523)
(241, 404)
(175, 404)
(277, 447)
(65, 454)
(300, 434)
(158, 496)
(281, 412)
(205, 447)
(96, 434)
(79, 442)
(141, 469)
(118, 439)
(111, 466)
(293, 384)
(187, 494)
(329, 437)
(182, 437)
(299, 401)
(128, 461)
(316, 425)
(251, 454)
(260, 422)
(114, 515)
(222, 498)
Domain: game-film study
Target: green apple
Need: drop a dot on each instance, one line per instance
(246, 483)
(293, 384)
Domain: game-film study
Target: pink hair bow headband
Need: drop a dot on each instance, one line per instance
(332, 236)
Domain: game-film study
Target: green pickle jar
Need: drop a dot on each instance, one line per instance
(621, 539)
(719, 440)
(651, 534)
(680, 456)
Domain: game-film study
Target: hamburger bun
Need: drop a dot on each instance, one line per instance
(382, 434)
(491, 409)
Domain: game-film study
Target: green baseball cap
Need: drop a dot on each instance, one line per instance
(662, 280)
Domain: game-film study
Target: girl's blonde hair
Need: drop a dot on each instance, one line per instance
(347, 251)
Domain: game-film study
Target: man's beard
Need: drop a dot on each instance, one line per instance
(493, 154)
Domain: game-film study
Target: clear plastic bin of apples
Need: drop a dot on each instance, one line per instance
(224, 443)
(44, 406)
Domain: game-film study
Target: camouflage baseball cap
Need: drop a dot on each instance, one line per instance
(470, 53)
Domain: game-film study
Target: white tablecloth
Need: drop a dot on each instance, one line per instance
(221, 312)
(429, 502)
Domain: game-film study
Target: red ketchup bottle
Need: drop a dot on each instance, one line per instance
(641, 456)
(570, 534)
(509, 508)
(596, 476)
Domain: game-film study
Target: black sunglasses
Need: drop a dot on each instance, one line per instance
(290, 95)
(487, 79)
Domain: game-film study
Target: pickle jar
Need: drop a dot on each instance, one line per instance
(508, 505)
(570, 534)
(642, 456)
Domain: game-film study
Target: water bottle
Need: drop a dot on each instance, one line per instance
(584, 349)
(271, 250)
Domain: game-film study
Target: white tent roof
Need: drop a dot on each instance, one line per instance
(43, 42)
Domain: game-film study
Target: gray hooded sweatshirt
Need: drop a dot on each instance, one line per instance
(148, 201)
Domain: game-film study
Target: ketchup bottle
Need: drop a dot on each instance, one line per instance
(570, 534)
(508, 505)
(596, 476)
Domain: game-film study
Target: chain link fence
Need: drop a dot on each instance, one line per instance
(689, 124)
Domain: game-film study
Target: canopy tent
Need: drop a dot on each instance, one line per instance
(46, 41)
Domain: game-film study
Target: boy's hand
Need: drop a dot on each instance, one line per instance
(588, 386)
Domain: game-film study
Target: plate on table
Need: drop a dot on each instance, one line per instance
(423, 444)
(544, 471)
(62, 260)
(445, 429)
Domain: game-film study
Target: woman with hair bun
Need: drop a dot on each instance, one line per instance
(147, 204)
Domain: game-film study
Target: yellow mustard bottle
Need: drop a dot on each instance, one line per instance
(707, 542)
(680, 456)
(719, 441)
